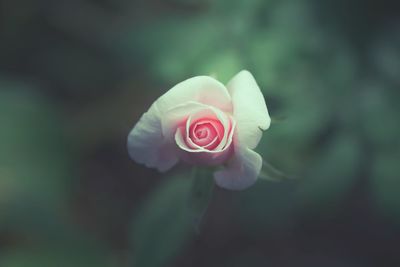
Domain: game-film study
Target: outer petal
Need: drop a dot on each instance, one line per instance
(241, 172)
(249, 109)
(147, 145)
(177, 116)
(251, 115)
(202, 89)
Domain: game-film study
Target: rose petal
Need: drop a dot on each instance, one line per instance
(195, 154)
(202, 89)
(146, 143)
(213, 113)
(149, 144)
(200, 156)
(180, 141)
(212, 144)
(189, 112)
(251, 115)
(249, 109)
(209, 133)
(177, 116)
(216, 124)
(241, 172)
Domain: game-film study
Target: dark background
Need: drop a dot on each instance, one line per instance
(76, 75)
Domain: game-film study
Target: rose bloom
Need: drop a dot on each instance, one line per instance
(202, 122)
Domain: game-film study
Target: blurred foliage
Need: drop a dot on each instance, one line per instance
(35, 166)
(200, 196)
(76, 75)
(164, 224)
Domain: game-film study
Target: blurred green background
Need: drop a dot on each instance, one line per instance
(75, 76)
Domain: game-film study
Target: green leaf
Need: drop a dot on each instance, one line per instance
(200, 196)
(162, 226)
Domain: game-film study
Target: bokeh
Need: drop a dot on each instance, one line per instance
(76, 75)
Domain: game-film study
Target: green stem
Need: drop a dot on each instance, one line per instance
(200, 195)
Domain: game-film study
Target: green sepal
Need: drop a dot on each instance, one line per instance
(270, 173)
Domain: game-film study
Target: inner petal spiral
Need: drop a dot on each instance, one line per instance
(206, 133)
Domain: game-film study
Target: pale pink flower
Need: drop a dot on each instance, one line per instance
(202, 122)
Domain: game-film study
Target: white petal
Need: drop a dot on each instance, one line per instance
(173, 117)
(241, 172)
(251, 115)
(180, 141)
(202, 89)
(249, 109)
(147, 145)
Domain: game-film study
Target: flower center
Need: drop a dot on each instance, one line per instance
(202, 131)
(206, 133)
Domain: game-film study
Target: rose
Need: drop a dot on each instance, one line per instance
(202, 122)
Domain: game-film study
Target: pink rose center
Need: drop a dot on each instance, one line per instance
(206, 133)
